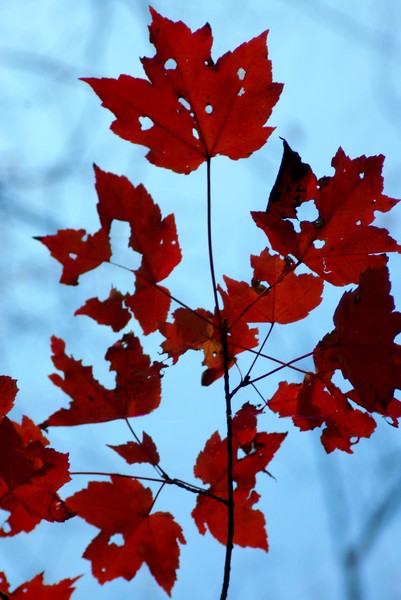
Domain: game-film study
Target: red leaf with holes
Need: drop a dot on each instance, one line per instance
(77, 251)
(143, 452)
(342, 242)
(146, 538)
(36, 589)
(137, 390)
(211, 467)
(8, 392)
(30, 476)
(107, 312)
(151, 236)
(196, 108)
(199, 330)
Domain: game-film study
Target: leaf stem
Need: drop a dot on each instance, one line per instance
(209, 242)
(230, 463)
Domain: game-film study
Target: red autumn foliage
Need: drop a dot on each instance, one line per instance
(150, 538)
(137, 390)
(198, 109)
(35, 589)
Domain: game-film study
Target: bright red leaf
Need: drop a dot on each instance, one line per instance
(134, 452)
(77, 251)
(30, 476)
(36, 589)
(341, 243)
(137, 390)
(107, 312)
(151, 236)
(196, 108)
(8, 392)
(123, 507)
(211, 468)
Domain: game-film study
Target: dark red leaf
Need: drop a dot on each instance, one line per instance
(362, 344)
(8, 392)
(133, 452)
(77, 251)
(341, 243)
(30, 475)
(123, 507)
(36, 589)
(211, 467)
(197, 108)
(107, 312)
(151, 236)
(137, 390)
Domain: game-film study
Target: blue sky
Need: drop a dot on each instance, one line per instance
(340, 64)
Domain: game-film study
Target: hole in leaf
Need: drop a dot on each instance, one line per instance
(307, 211)
(318, 244)
(208, 109)
(145, 123)
(195, 133)
(241, 92)
(184, 103)
(170, 64)
(241, 74)
(6, 527)
(73, 256)
(361, 175)
(359, 222)
(117, 539)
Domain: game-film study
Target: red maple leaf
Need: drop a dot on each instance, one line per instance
(77, 251)
(314, 403)
(107, 312)
(134, 452)
(211, 468)
(8, 392)
(362, 344)
(137, 390)
(30, 475)
(123, 506)
(341, 243)
(288, 297)
(200, 330)
(36, 589)
(196, 108)
(151, 236)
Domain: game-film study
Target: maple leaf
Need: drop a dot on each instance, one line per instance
(123, 507)
(36, 589)
(30, 475)
(107, 312)
(77, 251)
(151, 236)
(134, 452)
(199, 330)
(314, 403)
(8, 392)
(211, 467)
(288, 298)
(362, 344)
(137, 390)
(341, 243)
(197, 108)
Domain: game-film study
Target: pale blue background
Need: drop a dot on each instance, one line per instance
(340, 62)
